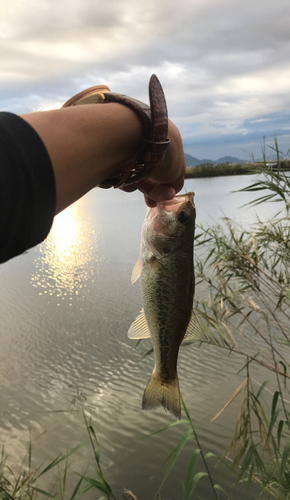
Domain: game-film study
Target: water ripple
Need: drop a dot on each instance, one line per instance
(65, 309)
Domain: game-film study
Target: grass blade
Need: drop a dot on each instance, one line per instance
(42, 492)
(173, 457)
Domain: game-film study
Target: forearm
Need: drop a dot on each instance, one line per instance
(86, 144)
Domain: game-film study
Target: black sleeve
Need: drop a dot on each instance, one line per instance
(27, 187)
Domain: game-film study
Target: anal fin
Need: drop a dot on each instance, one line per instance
(194, 330)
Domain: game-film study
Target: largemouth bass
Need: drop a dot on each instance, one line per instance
(167, 283)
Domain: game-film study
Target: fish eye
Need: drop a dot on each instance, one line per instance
(183, 216)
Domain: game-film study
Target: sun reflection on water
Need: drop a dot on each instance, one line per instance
(66, 235)
(63, 267)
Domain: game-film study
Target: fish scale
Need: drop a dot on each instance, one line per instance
(159, 305)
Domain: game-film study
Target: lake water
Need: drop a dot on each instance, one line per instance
(65, 310)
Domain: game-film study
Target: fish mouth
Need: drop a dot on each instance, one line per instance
(177, 204)
(171, 205)
(178, 200)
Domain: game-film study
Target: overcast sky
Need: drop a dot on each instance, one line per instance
(224, 64)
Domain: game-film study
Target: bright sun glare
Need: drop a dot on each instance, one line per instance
(66, 232)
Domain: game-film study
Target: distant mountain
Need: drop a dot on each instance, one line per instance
(191, 161)
(230, 159)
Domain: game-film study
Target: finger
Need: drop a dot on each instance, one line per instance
(161, 192)
(156, 192)
(130, 189)
(150, 203)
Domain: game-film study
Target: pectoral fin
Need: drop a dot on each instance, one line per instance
(139, 328)
(136, 271)
(194, 330)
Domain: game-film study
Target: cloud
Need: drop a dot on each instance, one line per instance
(222, 64)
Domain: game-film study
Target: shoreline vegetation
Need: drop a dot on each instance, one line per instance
(222, 169)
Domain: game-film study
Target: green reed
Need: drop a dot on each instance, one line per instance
(24, 484)
(247, 312)
(194, 474)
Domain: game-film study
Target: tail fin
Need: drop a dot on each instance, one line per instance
(158, 393)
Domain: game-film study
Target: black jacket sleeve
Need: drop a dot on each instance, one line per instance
(27, 187)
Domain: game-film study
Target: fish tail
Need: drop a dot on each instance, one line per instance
(158, 393)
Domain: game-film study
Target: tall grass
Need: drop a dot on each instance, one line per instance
(194, 474)
(23, 485)
(247, 312)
